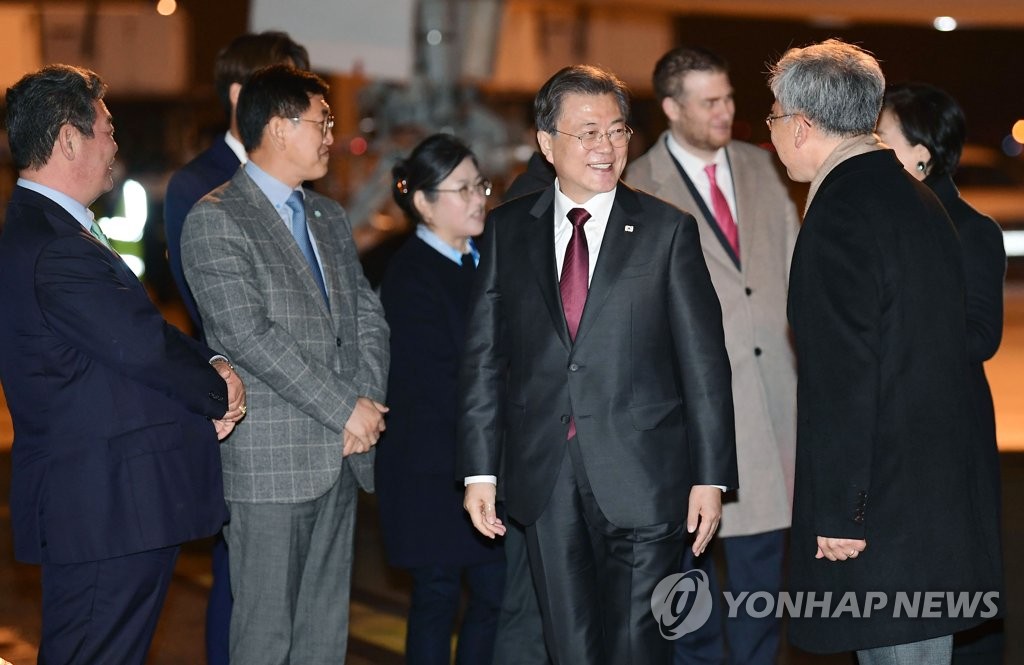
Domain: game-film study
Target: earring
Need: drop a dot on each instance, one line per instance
(920, 167)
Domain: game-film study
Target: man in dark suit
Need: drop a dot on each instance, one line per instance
(215, 165)
(210, 169)
(115, 458)
(609, 386)
(890, 495)
(734, 186)
(274, 270)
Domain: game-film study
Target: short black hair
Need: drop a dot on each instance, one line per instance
(41, 103)
(930, 117)
(425, 168)
(680, 61)
(275, 91)
(576, 79)
(249, 52)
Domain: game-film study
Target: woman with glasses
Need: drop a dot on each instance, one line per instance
(926, 129)
(425, 293)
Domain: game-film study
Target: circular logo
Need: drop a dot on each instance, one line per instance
(681, 603)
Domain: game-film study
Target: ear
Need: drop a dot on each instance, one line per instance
(670, 107)
(276, 132)
(544, 143)
(67, 141)
(233, 91)
(801, 131)
(919, 153)
(422, 206)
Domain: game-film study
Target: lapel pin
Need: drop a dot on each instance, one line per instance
(629, 228)
(316, 213)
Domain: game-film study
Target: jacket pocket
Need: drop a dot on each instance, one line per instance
(649, 416)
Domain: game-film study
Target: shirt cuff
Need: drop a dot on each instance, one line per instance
(481, 479)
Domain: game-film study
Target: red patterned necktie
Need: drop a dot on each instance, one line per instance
(573, 284)
(722, 213)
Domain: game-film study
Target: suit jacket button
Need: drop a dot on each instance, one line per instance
(565, 420)
(337, 342)
(573, 367)
(757, 350)
(749, 290)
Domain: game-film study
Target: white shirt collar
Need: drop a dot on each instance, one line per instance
(236, 147)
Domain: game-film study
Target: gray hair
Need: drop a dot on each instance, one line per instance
(838, 86)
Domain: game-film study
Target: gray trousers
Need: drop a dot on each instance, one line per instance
(937, 651)
(291, 574)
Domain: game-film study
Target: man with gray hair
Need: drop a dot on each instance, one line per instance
(889, 501)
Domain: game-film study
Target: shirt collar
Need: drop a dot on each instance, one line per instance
(82, 214)
(446, 250)
(236, 147)
(599, 206)
(274, 189)
(691, 163)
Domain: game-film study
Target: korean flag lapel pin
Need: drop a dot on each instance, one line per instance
(629, 228)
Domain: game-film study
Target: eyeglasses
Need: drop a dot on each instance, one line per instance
(772, 118)
(590, 140)
(326, 125)
(482, 187)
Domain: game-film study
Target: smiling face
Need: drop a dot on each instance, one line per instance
(584, 173)
(94, 156)
(307, 150)
(702, 115)
(453, 218)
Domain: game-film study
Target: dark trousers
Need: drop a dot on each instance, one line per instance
(218, 606)
(595, 580)
(436, 595)
(520, 639)
(103, 611)
(753, 563)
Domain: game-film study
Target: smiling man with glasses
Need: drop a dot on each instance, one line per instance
(595, 373)
(275, 274)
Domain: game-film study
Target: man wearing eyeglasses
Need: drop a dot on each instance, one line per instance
(595, 356)
(274, 271)
(748, 226)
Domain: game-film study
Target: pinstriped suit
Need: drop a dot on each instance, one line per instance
(305, 366)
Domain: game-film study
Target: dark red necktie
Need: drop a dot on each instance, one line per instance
(573, 284)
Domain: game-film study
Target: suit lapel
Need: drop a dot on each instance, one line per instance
(616, 247)
(540, 252)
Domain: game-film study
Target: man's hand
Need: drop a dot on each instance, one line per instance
(839, 549)
(236, 391)
(479, 503)
(703, 515)
(223, 427)
(353, 444)
(365, 424)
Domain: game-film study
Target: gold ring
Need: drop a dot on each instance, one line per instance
(242, 409)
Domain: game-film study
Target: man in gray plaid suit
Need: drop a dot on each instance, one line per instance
(278, 284)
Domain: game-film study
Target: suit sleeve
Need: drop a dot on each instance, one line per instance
(836, 304)
(985, 269)
(88, 301)
(219, 267)
(374, 350)
(483, 370)
(703, 362)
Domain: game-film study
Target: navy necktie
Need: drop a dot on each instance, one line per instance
(300, 232)
(575, 279)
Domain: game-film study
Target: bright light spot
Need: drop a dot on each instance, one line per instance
(434, 37)
(1012, 147)
(135, 263)
(1018, 131)
(944, 23)
(367, 124)
(136, 209)
(357, 146)
(1013, 241)
(166, 7)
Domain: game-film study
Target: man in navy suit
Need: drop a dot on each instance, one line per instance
(115, 457)
(210, 169)
(215, 165)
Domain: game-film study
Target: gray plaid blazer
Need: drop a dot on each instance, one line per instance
(304, 365)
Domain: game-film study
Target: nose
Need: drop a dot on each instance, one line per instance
(329, 137)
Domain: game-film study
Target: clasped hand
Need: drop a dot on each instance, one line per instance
(236, 399)
(364, 426)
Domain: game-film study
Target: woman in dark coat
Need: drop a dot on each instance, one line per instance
(425, 294)
(926, 128)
